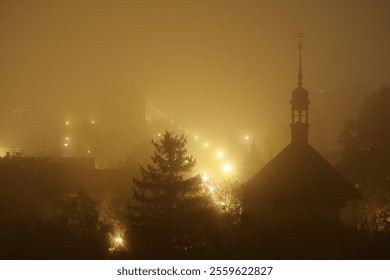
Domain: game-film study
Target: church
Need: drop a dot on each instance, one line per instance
(298, 183)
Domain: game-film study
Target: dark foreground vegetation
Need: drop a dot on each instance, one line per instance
(47, 212)
(43, 217)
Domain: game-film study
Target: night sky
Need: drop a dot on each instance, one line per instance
(222, 66)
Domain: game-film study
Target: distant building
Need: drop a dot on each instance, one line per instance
(298, 182)
(105, 128)
(64, 175)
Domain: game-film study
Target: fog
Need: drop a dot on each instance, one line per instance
(179, 129)
(222, 69)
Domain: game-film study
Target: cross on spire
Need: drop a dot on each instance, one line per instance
(300, 36)
(300, 76)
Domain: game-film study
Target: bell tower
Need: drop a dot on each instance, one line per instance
(300, 106)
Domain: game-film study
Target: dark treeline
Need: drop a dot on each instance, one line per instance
(41, 218)
(172, 213)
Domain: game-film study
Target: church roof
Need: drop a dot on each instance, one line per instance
(300, 175)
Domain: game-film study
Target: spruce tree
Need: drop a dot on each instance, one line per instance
(172, 208)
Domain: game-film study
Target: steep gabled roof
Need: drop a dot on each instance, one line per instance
(300, 175)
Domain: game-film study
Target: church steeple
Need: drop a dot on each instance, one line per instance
(300, 106)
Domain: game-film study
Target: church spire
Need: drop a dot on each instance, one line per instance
(300, 76)
(300, 106)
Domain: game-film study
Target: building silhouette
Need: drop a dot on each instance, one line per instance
(105, 128)
(298, 182)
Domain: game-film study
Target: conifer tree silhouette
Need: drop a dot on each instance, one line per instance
(172, 207)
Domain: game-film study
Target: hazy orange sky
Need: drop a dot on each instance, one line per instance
(225, 64)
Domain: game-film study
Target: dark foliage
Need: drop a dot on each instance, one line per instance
(40, 219)
(172, 218)
(366, 140)
(366, 158)
(308, 239)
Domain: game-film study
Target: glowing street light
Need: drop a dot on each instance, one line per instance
(116, 242)
(227, 168)
(246, 137)
(66, 145)
(219, 154)
(67, 123)
(206, 145)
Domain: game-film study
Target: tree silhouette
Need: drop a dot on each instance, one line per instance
(366, 141)
(366, 157)
(172, 208)
(43, 217)
(72, 229)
